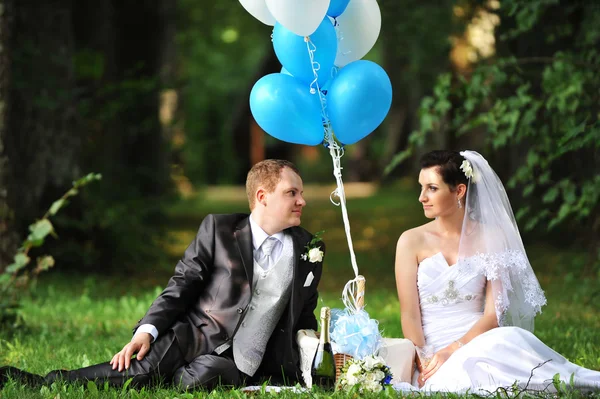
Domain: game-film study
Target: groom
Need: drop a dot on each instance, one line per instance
(230, 313)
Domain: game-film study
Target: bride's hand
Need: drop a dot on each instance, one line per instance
(436, 362)
(421, 369)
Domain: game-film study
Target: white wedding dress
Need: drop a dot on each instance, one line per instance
(452, 300)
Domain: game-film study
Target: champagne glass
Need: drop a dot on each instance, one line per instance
(425, 354)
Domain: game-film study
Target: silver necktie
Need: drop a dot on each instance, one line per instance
(264, 257)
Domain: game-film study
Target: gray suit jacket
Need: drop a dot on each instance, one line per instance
(210, 291)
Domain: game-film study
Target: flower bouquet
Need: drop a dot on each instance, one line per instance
(370, 374)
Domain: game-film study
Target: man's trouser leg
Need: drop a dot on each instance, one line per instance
(161, 361)
(209, 371)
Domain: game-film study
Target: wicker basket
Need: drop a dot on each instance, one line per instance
(340, 360)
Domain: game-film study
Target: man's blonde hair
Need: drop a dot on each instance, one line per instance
(267, 174)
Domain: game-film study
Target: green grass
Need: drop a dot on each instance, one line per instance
(75, 321)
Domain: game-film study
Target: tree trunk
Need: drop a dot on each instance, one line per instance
(41, 137)
(8, 235)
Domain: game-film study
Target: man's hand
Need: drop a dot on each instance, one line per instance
(140, 344)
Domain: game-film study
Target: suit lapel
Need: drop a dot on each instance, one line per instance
(298, 276)
(243, 237)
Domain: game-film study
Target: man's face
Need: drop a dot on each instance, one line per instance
(284, 205)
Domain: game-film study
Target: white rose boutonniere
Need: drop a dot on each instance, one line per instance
(314, 253)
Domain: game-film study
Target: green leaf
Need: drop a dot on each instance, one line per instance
(56, 206)
(32, 242)
(92, 388)
(522, 212)
(397, 160)
(550, 195)
(544, 178)
(90, 177)
(531, 223)
(4, 279)
(44, 263)
(40, 229)
(533, 158)
(569, 192)
(556, 381)
(126, 385)
(528, 190)
(20, 261)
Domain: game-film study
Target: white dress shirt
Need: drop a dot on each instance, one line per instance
(258, 237)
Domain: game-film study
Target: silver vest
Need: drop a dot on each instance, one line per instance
(272, 289)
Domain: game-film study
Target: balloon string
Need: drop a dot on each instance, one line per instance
(336, 152)
(314, 64)
(340, 36)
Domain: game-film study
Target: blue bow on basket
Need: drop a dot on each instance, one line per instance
(353, 332)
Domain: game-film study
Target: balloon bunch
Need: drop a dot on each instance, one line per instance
(324, 93)
(324, 88)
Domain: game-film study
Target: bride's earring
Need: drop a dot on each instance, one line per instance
(459, 204)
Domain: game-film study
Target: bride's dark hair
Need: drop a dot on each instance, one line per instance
(448, 163)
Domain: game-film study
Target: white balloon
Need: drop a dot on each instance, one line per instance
(302, 17)
(358, 30)
(258, 9)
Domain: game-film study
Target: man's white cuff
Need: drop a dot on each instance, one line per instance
(147, 328)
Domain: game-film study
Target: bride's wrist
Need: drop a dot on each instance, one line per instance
(458, 344)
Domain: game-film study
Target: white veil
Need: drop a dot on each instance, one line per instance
(490, 242)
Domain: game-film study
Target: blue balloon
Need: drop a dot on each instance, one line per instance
(292, 52)
(284, 108)
(337, 7)
(285, 71)
(324, 87)
(358, 100)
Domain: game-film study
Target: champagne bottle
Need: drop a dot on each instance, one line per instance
(323, 366)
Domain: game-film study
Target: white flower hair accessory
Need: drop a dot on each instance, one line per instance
(467, 169)
(313, 249)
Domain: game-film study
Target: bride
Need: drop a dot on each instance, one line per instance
(468, 295)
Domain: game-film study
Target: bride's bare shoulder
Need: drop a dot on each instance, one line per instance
(412, 239)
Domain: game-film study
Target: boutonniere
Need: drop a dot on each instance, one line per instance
(313, 249)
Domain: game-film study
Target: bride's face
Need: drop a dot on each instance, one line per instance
(436, 196)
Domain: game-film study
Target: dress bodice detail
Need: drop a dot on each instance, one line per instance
(452, 299)
(451, 296)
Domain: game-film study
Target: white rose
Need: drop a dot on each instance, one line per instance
(378, 375)
(379, 361)
(369, 362)
(351, 380)
(373, 386)
(315, 255)
(354, 370)
(372, 362)
(370, 377)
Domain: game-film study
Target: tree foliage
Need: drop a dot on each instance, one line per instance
(16, 279)
(538, 98)
(84, 95)
(221, 49)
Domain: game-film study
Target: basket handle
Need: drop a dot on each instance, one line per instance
(360, 292)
